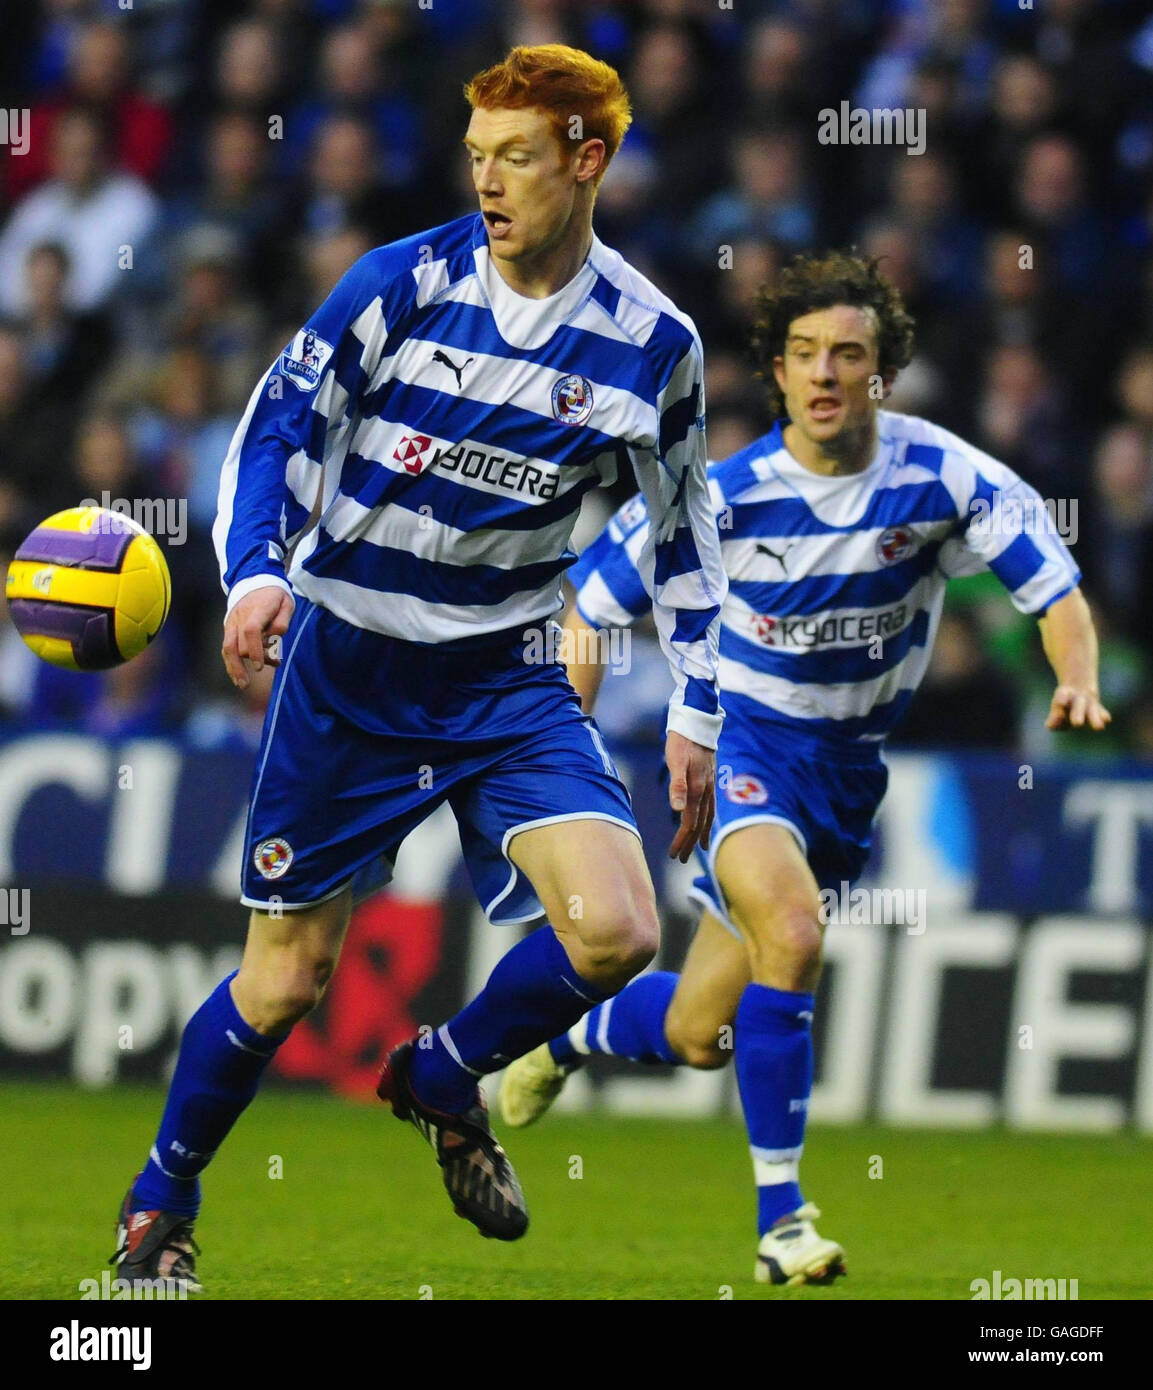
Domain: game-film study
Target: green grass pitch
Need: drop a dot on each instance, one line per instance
(662, 1209)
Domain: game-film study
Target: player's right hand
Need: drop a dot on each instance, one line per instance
(692, 793)
(250, 628)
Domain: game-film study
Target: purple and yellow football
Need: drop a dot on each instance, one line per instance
(89, 589)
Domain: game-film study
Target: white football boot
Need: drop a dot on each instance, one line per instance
(530, 1086)
(792, 1252)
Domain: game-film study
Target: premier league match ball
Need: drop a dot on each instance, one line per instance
(89, 589)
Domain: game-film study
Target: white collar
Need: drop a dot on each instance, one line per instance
(529, 323)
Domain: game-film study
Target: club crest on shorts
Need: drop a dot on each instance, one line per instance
(572, 399)
(272, 857)
(747, 790)
(896, 543)
(304, 362)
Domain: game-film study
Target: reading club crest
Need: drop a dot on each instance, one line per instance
(895, 544)
(747, 790)
(572, 399)
(272, 857)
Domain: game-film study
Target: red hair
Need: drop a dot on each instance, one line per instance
(561, 82)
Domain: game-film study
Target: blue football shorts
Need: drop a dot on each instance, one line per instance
(825, 794)
(367, 735)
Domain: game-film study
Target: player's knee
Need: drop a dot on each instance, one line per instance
(618, 940)
(788, 940)
(702, 1048)
(624, 954)
(281, 993)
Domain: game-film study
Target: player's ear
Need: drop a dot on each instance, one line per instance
(590, 159)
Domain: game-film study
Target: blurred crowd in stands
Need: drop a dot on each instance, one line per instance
(197, 175)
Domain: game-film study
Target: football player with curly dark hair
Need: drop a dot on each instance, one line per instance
(839, 530)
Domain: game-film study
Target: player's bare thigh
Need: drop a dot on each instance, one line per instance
(594, 885)
(709, 988)
(773, 898)
(288, 960)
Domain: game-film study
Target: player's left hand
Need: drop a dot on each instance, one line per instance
(692, 793)
(1073, 708)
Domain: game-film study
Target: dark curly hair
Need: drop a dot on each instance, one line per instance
(818, 282)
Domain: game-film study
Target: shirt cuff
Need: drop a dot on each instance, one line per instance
(253, 582)
(694, 724)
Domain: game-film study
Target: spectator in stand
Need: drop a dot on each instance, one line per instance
(1024, 105)
(352, 84)
(964, 700)
(768, 197)
(777, 73)
(725, 314)
(1019, 308)
(104, 460)
(1118, 555)
(729, 384)
(234, 191)
(732, 429)
(343, 187)
(99, 216)
(672, 122)
(64, 350)
(250, 69)
(35, 433)
(952, 30)
(213, 313)
(1022, 420)
(922, 388)
(628, 215)
(328, 258)
(182, 438)
(925, 197)
(1135, 386)
(139, 131)
(1053, 205)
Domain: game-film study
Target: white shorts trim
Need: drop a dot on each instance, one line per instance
(293, 907)
(514, 872)
(718, 908)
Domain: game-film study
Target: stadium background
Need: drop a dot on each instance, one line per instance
(197, 177)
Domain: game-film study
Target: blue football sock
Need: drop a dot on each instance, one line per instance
(533, 994)
(774, 1060)
(217, 1072)
(631, 1024)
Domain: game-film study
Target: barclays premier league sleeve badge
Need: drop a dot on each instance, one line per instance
(304, 362)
